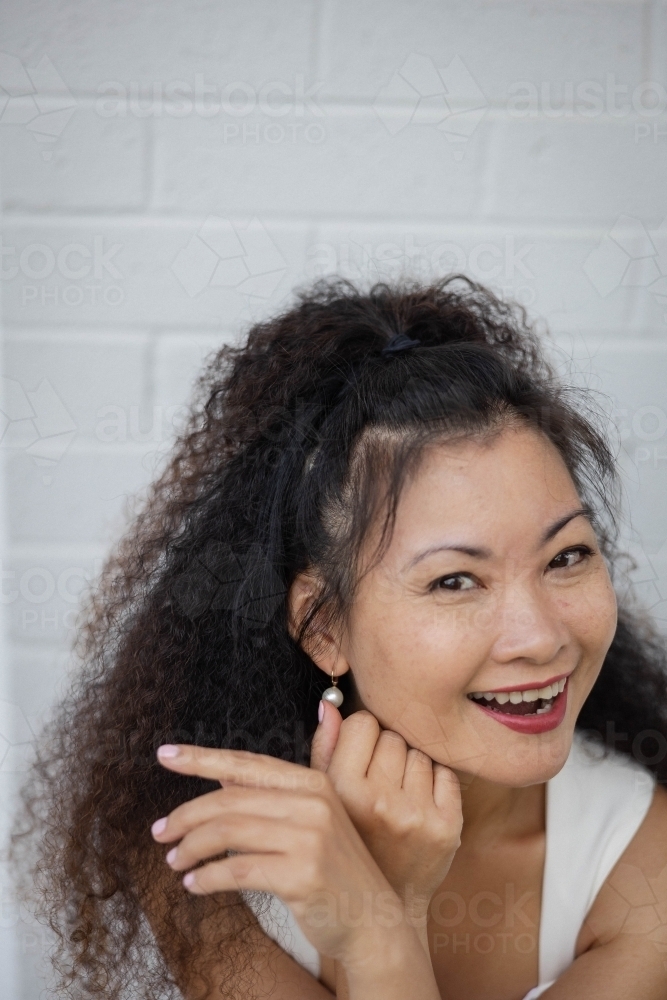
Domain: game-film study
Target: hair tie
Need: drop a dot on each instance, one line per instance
(399, 342)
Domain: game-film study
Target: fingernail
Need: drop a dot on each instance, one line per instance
(168, 750)
(159, 826)
(172, 854)
(320, 711)
(188, 879)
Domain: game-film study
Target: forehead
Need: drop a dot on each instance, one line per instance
(514, 481)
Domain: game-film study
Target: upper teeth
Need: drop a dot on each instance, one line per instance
(532, 694)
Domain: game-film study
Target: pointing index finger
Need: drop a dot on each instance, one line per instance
(240, 767)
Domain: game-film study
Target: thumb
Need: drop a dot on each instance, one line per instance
(326, 736)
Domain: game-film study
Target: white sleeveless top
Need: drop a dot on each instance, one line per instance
(594, 807)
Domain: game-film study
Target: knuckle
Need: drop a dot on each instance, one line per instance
(402, 820)
(380, 807)
(321, 812)
(445, 834)
(410, 821)
(362, 719)
(324, 784)
(419, 759)
(390, 736)
(239, 866)
(241, 756)
(206, 755)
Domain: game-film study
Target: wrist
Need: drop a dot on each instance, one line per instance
(416, 903)
(388, 962)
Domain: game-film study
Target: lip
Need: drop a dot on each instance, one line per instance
(527, 687)
(531, 724)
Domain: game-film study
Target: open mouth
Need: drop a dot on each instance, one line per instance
(532, 701)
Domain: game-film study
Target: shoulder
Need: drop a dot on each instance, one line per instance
(647, 851)
(633, 898)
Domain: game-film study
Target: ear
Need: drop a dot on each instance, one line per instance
(322, 647)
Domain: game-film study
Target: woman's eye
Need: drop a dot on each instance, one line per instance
(457, 581)
(570, 557)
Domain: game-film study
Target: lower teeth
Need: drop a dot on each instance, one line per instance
(546, 707)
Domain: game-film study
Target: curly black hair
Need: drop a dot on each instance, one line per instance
(296, 441)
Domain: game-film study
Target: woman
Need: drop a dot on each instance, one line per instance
(387, 495)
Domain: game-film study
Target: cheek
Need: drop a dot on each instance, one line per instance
(431, 657)
(592, 616)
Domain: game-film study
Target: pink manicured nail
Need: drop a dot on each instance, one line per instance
(159, 826)
(188, 879)
(320, 711)
(168, 750)
(172, 854)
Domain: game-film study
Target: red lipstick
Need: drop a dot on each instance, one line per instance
(533, 723)
(527, 687)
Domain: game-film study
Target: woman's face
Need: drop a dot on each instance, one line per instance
(493, 583)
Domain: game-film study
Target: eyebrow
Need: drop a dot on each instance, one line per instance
(476, 552)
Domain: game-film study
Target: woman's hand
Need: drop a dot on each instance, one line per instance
(296, 840)
(406, 807)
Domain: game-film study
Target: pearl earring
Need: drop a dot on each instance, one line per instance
(333, 694)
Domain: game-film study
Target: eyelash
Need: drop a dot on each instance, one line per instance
(584, 550)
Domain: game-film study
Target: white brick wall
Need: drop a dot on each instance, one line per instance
(291, 133)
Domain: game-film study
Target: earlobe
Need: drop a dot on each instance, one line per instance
(320, 645)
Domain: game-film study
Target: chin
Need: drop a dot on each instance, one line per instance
(521, 743)
(523, 760)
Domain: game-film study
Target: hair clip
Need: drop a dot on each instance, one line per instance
(399, 342)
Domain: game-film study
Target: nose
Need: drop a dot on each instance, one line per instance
(530, 627)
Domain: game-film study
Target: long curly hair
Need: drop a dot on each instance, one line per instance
(296, 441)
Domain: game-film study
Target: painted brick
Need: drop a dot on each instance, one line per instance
(179, 359)
(91, 44)
(155, 272)
(93, 163)
(39, 678)
(545, 270)
(83, 497)
(359, 155)
(42, 593)
(628, 380)
(359, 167)
(92, 374)
(575, 171)
(499, 44)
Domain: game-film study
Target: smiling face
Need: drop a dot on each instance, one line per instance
(493, 582)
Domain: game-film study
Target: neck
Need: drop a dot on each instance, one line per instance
(491, 811)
